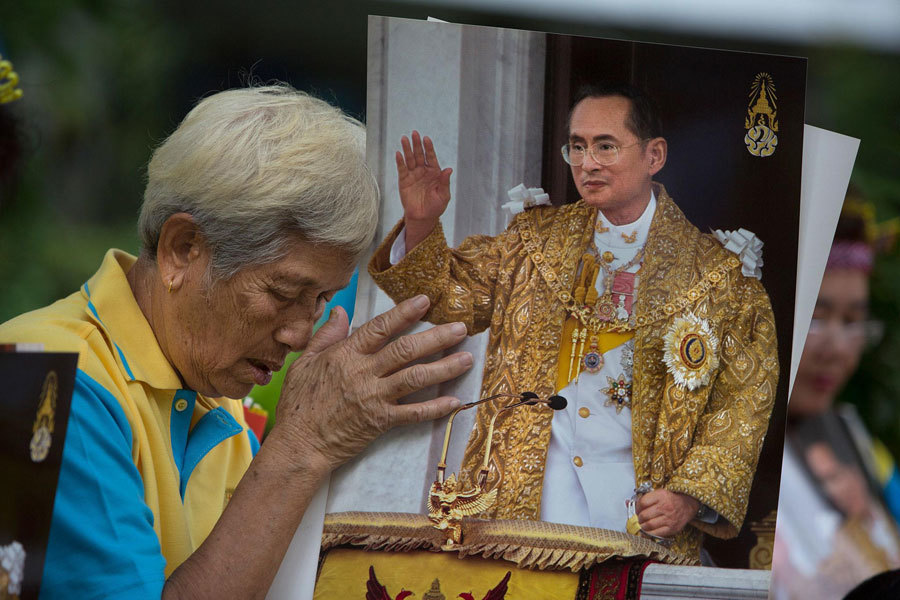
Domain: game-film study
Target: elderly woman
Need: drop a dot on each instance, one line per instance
(256, 210)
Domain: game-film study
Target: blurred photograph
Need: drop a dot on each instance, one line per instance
(840, 489)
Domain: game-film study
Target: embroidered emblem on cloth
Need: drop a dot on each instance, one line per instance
(690, 351)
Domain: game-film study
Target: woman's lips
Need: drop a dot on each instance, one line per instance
(824, 383)
(262, 374)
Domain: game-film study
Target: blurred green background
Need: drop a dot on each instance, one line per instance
(105, 81)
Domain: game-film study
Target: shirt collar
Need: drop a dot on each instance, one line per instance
(112, 305)
(631, 235)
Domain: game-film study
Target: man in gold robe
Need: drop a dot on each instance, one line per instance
(662, 340)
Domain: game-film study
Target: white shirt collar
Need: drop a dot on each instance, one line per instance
(616, 235)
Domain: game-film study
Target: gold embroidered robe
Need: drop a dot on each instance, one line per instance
(704, 442)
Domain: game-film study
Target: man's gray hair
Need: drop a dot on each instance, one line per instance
(257, 168)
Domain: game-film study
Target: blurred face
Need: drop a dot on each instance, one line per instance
(225, 339)
(626, 183)
(835, 341)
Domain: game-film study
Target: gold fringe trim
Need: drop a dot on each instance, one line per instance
(528, 544)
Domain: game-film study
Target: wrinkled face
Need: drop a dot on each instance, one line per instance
(225, 339)
(835, 342)
(610, 187)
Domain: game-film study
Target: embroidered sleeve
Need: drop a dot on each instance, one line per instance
(460, 282)
(719, 467)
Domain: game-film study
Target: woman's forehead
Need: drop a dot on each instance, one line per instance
(313, 265)
(844, 288)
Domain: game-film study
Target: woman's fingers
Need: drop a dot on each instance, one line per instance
(331, 332)
(417, 412)
(373, 335)
(409, 348)
(416, 377)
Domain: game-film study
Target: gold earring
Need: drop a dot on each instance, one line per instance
(170, 285)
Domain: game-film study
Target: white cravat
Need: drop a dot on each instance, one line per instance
(589, 432)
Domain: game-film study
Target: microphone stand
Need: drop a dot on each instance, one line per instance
(447, 504)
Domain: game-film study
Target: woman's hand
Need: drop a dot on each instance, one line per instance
(424, 187)
(343, 392)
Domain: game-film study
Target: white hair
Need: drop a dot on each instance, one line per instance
(258, 167)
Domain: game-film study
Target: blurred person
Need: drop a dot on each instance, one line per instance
(834, 528)
(256, 210)
(585, 300)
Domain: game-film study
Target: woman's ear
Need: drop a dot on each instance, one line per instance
(180, 251)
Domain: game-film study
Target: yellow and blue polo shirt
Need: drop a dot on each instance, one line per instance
(147, 466)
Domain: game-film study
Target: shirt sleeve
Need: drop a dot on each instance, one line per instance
(398, 248)
(102, 542)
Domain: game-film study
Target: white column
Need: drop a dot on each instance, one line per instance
(478, 93)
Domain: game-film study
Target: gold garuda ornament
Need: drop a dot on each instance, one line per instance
(447, 503)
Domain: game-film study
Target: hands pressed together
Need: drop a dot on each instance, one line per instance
(343, 391)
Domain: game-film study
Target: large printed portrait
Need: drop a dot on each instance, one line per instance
(673, 357)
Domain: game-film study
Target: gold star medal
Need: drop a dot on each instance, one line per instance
(618, 393)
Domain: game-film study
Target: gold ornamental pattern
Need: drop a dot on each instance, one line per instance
(761, 121)
(493, 283)
(529, 544)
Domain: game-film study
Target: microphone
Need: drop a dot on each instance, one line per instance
(442, 464)
(528, 398)
(525, 398)
(531, 395)
(557, 402)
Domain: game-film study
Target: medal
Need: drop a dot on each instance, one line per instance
(618, 393)
(593, 360)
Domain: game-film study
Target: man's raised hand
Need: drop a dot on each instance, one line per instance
(424, 187)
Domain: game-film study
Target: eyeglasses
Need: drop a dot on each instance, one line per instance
(868, 332)
(602, 153)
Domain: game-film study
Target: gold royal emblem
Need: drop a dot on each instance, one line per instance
(690, 351)
(42, 432)
(761, 121)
